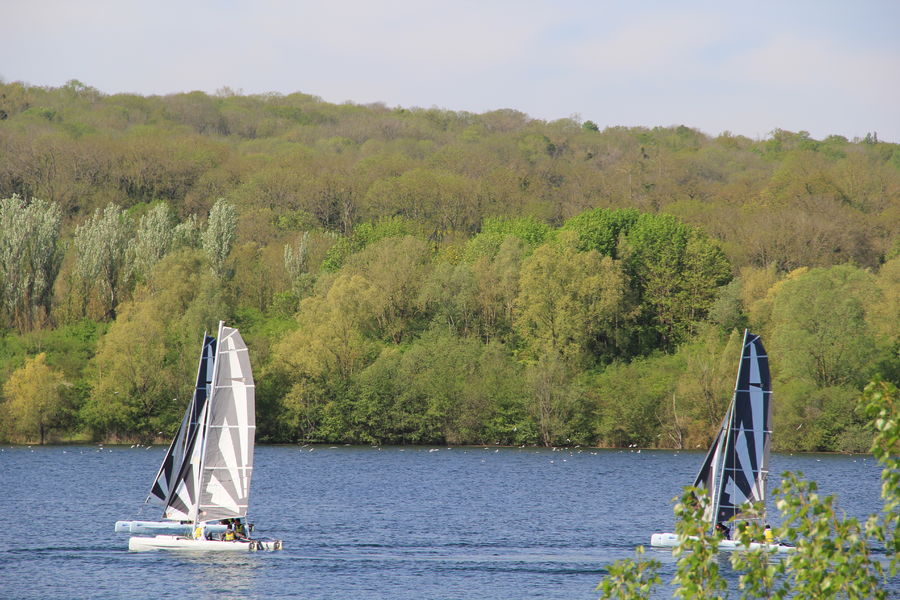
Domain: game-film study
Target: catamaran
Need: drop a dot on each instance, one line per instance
(736, 468)
(203, 484)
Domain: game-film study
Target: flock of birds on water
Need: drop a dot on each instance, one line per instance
(633, 448)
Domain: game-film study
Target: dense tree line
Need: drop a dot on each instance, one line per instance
(416, 276)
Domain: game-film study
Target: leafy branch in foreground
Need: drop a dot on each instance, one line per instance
(697, 573)
(628, 578)
(832, 558)
(760, 570)
(881, 408)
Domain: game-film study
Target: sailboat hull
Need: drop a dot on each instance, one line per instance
(174, 542)
(670, 540)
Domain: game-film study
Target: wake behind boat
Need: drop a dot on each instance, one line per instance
(736, 468)
(203, 484)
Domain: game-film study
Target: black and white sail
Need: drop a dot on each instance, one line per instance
(214, 480)
(178, 454)
(737, 464)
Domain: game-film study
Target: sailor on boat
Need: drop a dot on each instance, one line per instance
(228, 536)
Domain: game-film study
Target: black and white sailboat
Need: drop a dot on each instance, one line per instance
(736, 468)
(204, 479)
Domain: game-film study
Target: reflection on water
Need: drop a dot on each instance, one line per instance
(221, 575)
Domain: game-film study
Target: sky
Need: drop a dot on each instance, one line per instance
(826, 66)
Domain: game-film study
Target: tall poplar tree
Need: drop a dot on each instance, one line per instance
(219, 235)
(30, 257)
(101, 262)
(154, 238)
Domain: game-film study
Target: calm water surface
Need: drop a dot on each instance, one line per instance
(366, 523)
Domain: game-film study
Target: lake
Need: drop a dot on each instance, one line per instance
(393, 523)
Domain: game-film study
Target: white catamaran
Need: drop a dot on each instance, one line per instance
(736, 467)
(204, 479)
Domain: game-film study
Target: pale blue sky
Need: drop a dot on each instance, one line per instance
(827, 67)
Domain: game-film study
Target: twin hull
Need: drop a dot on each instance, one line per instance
(174, 542)
(670, 540)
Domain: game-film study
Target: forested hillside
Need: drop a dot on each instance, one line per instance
(424, 276)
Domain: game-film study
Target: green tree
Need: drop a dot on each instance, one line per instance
(441, 200)
(441, 388)
(697, 571)
(676, 270)
(30, 257)
(495, 231)
(728, 309)
(331, 343)
(445, 398)
(832, 557)
(365, 234)
(883, 314)
(101, 261)
(819, 327)
(548, 381)
(145, 364)
(296, 262)
(633, 403)
(571, 304)
(187, 233)
(153, 239)
(882, 406)
(599, 229)
(497, 280)
(451, 292)
(35, 402)
(704, 387)
(396, 268)
(630, 579)
(218, 238)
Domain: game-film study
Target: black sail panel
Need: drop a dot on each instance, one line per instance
(180, 487)
(706, 476)
(745, 462)
(164, 484)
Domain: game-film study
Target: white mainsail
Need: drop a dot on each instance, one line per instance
(227, 465)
